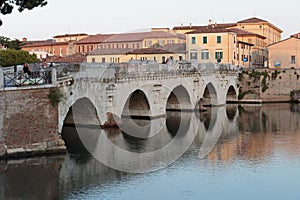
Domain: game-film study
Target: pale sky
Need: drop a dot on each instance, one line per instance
(119, 16)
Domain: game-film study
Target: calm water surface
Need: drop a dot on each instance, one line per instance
(245, 152)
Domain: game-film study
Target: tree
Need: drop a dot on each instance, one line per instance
(10, 44)
(6, 6)
(11, 57)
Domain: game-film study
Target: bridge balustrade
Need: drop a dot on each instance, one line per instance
(19, 79)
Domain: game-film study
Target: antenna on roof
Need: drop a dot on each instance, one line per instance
(254, 14)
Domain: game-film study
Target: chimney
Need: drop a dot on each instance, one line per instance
(190, 25)
(209, 22)
(24, 39)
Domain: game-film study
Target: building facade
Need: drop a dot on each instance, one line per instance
(70, 37)
(46, 48)
(261, 27)
(218, 45)
(175, 52)
(285, 54)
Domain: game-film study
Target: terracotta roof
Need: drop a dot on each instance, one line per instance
(71, 35)
(252, 20)
(181, 36)
(210, 29)
(175, 48)
(75, 58)
(43, 43)
(99, 38)
(110, 51)
(125, 37)
(159, 34)
(138, 37)
(50, 59)
(223, 25)
(241, 32)
(149, 51)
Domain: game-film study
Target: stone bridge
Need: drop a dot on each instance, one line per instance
(96, 94)
(142, 90)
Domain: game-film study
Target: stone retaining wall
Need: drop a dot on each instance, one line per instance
(28, 123)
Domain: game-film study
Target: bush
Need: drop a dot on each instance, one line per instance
(56, 95)
(11, 57)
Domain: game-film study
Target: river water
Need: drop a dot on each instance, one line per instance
(232, 152)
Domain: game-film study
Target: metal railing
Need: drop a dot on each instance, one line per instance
(19, 79)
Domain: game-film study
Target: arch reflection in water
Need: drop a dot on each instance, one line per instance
(81, 123)
(218, 124)
(154, 153)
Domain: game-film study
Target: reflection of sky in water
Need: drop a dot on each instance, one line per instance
(190, 178)
(260, 161)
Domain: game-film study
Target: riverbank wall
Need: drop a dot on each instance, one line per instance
(269, 85)
(28, 123)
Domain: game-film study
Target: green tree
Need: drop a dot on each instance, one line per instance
(11, 44)
(10, 57)
(6, 6)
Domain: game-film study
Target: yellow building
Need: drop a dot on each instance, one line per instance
(258, 53)
(70, 37)
(212, 44)
(219, 45)
(160, 55)
(286, 53)
(261, 27)
(258, 32)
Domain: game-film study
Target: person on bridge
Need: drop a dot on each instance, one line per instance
(26, 69)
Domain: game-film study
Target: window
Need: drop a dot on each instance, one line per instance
(93, 60)
(219, 54)
(193, 55)
(193, 40)
(234, 39)
(204, 40)
(293, 59)
(161, 42)
(219, 39)
(205, 55)
(148, 43)
(103, 60)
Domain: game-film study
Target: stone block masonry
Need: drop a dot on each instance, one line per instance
(269, 85)
(28, 123)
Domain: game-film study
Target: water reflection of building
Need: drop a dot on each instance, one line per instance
(36, 178)
(263, 130)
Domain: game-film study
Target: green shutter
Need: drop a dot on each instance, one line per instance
(204, 40)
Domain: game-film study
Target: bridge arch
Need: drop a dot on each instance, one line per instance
(83, 111)
(137, 105)
(210, 96)
(178, 100)
(81, 115)
(231, 95)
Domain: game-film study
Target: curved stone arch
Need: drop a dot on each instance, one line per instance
(139, 108)
(81, 90)
(212, 91)
(231, 93)
(170, 86)
(64, 107)
(179, 98)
